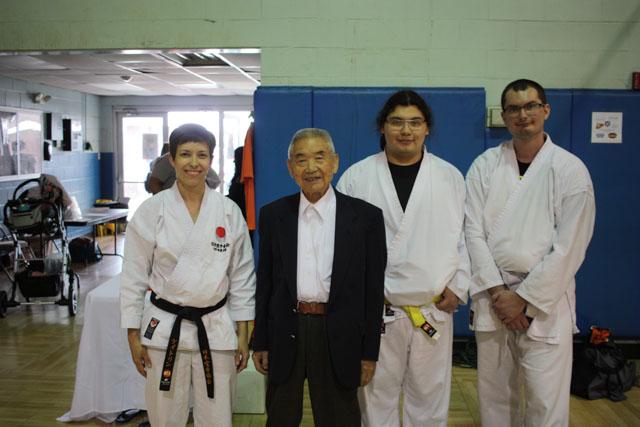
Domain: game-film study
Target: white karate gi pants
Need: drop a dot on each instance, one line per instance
(507, 360)
(171, 408)
(413, 364)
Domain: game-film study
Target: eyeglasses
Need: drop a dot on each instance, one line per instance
(531, 109)
(398, 124)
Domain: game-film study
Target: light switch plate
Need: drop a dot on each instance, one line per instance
(494, 118)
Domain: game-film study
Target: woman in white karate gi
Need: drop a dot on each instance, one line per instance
(427, 273)
(190, 245)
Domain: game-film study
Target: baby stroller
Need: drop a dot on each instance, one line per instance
(47, 274)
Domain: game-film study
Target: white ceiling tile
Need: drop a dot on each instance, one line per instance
(99, 74)
(118, 86)
(214, 70)
(24, 62)
(180, 78)
(80, 62)
(244, 60)
(127, 58)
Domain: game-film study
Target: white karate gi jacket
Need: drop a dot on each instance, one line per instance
(530, 234)
(190, 265)
(425, 244)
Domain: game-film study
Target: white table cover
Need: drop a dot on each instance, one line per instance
(107, 381)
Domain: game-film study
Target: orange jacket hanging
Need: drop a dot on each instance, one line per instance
(247, 179)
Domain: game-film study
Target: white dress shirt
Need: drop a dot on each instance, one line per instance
(316, 237)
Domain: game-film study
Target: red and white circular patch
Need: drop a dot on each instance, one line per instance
(220, 232)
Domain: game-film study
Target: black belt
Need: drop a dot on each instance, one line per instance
(195, 315)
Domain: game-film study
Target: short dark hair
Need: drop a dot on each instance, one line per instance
(406, 98)
(190, 132)
(520, 85)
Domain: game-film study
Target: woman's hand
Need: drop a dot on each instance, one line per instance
(138, 352)
(242, 354)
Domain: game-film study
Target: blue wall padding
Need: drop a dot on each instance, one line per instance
(279, 112)
(349, 116)
(608, 284)
(560, 117)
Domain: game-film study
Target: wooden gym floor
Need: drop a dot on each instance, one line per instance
(39, 345)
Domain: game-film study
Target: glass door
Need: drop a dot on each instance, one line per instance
(142, 138)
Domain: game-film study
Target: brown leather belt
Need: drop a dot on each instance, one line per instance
(312, 307)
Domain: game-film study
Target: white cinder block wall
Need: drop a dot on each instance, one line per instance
(482, 43)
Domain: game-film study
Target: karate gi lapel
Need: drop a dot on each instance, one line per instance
(196, 237)
(406, 221)
(288, 238)
(343, 245)
(388, 196)
(518, 189)
(519, 204)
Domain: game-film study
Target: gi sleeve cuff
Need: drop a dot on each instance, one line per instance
(130, 322)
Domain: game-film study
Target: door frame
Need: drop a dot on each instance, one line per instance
(131, 112)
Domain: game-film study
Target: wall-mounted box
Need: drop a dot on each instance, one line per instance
(494, 118)
(72, 135)
(53, 126)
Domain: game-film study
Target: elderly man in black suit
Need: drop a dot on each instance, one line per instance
(319, 297)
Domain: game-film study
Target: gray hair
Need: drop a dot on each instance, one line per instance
(308, 133)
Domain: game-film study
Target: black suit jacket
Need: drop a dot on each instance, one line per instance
(356, 296)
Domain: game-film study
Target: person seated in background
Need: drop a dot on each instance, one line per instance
(163, 175)
(50, 188)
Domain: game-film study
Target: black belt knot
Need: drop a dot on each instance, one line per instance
(193, 314)
(185, 313)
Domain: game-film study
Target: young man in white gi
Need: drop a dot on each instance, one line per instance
(529, 219)
(190, 245)
(427, 272)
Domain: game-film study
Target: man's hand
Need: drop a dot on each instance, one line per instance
(368, 369)
(138, 352)
(520, 323)
(497, 289)
(508, 305)
(449, 301)
(261, 361)
(242, 354)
